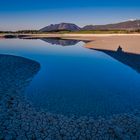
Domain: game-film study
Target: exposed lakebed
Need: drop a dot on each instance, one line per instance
(76, 80)
(67, 88)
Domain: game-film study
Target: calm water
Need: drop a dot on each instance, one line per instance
(76, 80)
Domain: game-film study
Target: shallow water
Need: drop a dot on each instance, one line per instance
(76, 80)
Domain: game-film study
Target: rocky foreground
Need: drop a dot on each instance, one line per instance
(20, 120)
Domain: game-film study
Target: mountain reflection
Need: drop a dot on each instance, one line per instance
(130, 59)
(59, 41)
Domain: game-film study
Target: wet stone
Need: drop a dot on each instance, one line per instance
(20, 120)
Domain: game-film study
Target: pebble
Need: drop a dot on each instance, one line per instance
(20, 120)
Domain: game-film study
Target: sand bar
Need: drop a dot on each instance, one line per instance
(128, 43)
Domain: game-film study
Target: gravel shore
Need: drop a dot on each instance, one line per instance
(20, 120)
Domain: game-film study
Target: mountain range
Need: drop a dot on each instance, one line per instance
(126, 25)
(61, 27)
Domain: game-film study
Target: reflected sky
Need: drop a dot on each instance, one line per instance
(76, 80)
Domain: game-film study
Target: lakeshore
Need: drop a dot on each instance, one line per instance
(20, 120)
(70, 70)
(128, 42)
(18, 108)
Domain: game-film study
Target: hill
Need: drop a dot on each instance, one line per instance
(60, 27)
(127, 25)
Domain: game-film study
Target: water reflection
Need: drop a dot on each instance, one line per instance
(59, 41)
(72, 80)
(130, 59)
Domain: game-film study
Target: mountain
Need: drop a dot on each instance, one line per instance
(61, 27)
(59, 41)
(127, 25)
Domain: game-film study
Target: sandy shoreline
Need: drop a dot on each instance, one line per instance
(71, 35)
(128, 42)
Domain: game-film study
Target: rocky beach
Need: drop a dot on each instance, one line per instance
(20, 120)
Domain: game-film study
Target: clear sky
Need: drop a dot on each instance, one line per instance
(35, 14)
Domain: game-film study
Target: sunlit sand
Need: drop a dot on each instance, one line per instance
(128, 43)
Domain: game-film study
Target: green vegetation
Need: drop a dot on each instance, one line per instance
(74, 32)
(5, 32)
(96, 32)
(20, 32)
(27, 32)
(103, 32)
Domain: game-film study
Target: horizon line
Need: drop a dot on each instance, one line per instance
(70, 23)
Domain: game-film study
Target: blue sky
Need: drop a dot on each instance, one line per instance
(35, 14)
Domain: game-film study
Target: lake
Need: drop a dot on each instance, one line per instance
(74, 80)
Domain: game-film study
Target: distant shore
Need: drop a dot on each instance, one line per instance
(128, 42)
(70, 35)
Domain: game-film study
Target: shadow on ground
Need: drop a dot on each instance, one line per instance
(130, 59)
